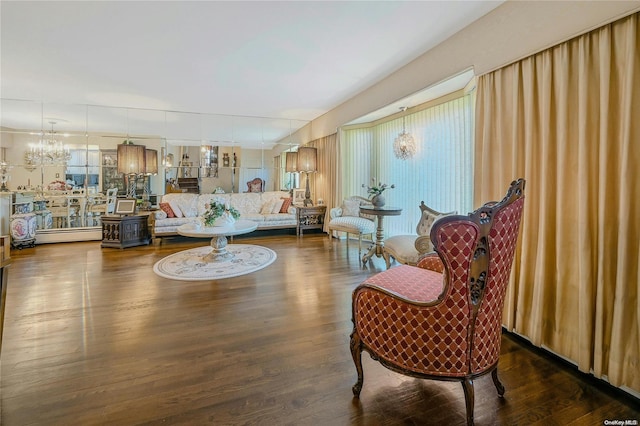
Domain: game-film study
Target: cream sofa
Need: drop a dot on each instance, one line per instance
(249, 204)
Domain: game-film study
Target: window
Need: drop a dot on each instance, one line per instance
(440, 174)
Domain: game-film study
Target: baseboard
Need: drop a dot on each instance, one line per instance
(628, 396)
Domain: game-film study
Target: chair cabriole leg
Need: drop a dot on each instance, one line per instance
(467, 387)
(356, 353)
(496, 381)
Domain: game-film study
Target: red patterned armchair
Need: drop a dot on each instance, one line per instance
(442, 319)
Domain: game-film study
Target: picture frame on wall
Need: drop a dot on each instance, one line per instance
(298, 196)
(125, 206)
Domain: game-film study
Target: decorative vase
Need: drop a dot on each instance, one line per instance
(377, 201)
(225, 220)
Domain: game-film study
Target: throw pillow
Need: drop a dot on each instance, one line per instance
(188, 210)
(351, 208)
(267, 207)
(160, 214)
(286, 203)
(277, 206)
(165, 207)
(176, 208)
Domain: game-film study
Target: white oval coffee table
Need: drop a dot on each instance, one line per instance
(218, 236)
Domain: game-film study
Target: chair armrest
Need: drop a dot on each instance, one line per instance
(335, 212)
(423, 244)
(432, 262)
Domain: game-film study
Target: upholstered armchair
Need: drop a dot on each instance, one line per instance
(407, 249)
(347, 218)
(442, 318)
(256, 185)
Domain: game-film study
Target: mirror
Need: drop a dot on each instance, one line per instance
(194, 152)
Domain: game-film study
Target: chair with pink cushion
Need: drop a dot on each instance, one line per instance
(442, 319)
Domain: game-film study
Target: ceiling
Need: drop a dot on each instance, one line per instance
(195, 70)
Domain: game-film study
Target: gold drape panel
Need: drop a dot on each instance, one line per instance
(277, 176)
(323, 184)
(568, 121)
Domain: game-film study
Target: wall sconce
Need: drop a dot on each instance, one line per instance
(307, 163)
(404, 147)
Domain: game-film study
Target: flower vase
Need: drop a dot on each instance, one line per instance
(225, 220)
(377, 201)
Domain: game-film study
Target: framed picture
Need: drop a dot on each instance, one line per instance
(125, 206)
(298, 196)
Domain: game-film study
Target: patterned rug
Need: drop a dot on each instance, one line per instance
(188, 265)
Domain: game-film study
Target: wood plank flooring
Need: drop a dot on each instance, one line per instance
(93, 337)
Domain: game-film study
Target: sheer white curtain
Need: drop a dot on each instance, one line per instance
(440, 174)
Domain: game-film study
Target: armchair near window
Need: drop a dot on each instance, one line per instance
(407, 249)
(347, 218)
(443, 324)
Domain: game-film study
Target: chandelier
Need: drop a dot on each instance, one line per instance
(48, 150)
(404, 147)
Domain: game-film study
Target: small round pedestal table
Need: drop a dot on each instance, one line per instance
(380, 213)
(218, 236)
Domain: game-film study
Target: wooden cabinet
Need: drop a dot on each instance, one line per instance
(310, 218)
(125, 231)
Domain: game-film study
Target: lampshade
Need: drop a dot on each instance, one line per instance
(131, 159)
(151, 162)
(307, 159)
(291, 162)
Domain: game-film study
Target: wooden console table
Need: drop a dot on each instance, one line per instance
(125, 231)
(309, 218)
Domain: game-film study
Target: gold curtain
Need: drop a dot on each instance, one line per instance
(324, 183)
(277, 175)
(568, 121)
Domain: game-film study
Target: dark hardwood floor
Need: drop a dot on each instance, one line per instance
(92, 336)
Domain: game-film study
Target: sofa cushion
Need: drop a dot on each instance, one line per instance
(356, 225)
(267, 207)
(173, 221)
(277, 206)
(175, 207)
(160, 214)
(165, 207)
(286, 203)
(247, 203)
(351, 208)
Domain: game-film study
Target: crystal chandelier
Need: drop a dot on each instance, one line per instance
(404, 147)
(48, 150)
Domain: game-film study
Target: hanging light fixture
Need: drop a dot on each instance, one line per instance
(404, 147)
(48, 150)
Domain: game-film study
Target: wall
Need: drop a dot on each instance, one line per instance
(510, 32)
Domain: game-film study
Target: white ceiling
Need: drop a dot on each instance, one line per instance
(291, 61)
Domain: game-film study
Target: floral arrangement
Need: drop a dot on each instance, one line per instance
(216, 210)
(375, 190)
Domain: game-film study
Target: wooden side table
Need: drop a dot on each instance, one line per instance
(125, 231)
(309, 218)
(380, 213)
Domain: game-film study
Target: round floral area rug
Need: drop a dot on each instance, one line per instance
(188, 265)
